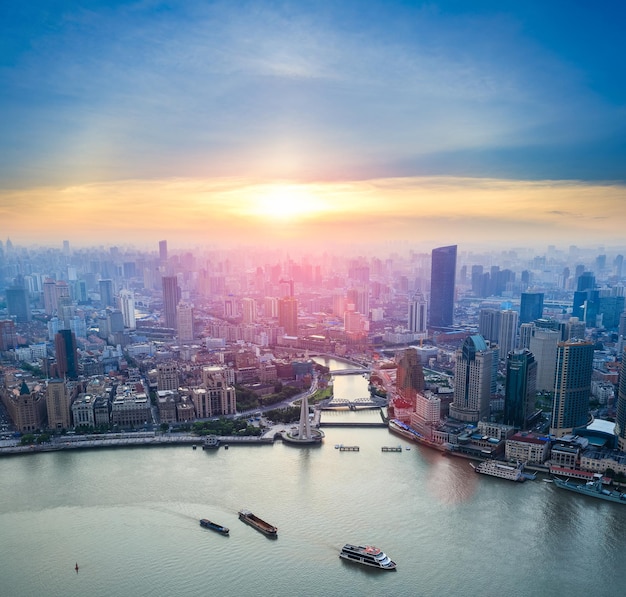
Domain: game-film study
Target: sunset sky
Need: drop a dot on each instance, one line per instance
(478, 122)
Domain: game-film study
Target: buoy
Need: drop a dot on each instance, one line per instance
(76, 567)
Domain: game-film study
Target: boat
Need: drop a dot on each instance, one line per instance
(368, 556)
(207, 524)
(502, 470)
(257, 523)
(402, 429)
(592, 488)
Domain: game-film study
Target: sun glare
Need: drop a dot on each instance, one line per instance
(288, 202)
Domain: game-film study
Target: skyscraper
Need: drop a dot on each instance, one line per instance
(66, 353)
(106, 293)
(288, 315)
(127, 306)
(531, 306)
(442, 275)
(572, 387)
(49, 296)
(507, 338)
(18, 305)
(163, 251)
(418, 310)
(525, 334)
(472, 380)
(184, 322)
(520, 388)
(410, 375)
(489, 321)
(620, 419)
(171, 296)
(543, 345)
(248, 309)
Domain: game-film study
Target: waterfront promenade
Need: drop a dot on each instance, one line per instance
(125, 440)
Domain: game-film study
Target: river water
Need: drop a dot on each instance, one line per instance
(129, 518)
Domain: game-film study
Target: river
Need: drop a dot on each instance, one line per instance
(129, 518)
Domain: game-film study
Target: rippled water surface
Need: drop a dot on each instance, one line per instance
(130, 519)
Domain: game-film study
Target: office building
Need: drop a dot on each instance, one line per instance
(184, 322)
(520, 387)
(167, 376)
(8, 335)
(543, 345)
(442, 277)
(526, 331)
(171, 296)
(49, 296)
(472, 381)
(489, 321)
(531, 306)
(58, 405)
(409, 376)
(66, 354)
(127, 306)
(248, 310)
(162, 251)
(18, 304)
(575, 329)
(572, 387)
(106, 293)
(359, 297)
(288, 315)
(507, 338)
(418, 314)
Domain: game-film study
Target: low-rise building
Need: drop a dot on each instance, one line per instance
(527, 447)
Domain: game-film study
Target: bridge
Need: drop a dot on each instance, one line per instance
(350, 371)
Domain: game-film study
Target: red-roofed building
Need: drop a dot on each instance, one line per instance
(527, 447)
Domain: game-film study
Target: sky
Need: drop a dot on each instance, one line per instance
(354, 122)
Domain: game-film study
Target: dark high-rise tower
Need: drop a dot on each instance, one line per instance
(520, 389)
(570, 409)
(410, 375)
(531, 307)
(66, 353)
(443, 271)
(18, 304)
(171, 296)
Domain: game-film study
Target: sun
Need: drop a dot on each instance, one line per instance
(288, 202)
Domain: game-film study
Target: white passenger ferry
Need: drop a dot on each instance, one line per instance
(368, 556)
(502, 470)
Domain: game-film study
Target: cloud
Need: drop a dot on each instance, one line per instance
(247, 210)
(286, 90)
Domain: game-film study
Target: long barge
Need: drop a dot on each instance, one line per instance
(218, 528)
(258, 523)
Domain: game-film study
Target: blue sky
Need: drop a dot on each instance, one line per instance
(95, 93)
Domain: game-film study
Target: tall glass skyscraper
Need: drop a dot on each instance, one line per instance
(531, 307)
(442, 275)
(520, 389)
(572, 387)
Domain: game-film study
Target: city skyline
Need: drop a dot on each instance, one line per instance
(255, 122)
